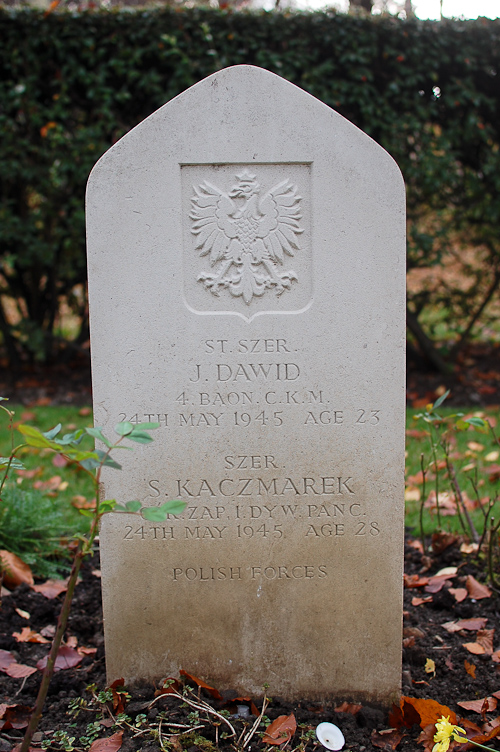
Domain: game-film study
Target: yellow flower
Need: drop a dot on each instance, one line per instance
(445, 732)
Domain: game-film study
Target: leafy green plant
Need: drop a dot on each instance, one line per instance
(92, 462)
(441, 469)
(33, 528)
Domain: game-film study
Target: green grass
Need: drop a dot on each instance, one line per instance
(473, 453)
(45, 499)
(37, 505)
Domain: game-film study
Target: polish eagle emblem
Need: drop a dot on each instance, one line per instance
(246, 236)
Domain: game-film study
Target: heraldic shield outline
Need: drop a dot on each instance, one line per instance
(247, 238)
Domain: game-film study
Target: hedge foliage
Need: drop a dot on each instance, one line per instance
(72, 84)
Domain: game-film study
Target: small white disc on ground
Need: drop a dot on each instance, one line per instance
(330, 736)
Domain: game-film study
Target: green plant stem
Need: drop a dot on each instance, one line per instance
(476, 744)
(422, 502)
(460, 501)
(56, 643)
(438, 510)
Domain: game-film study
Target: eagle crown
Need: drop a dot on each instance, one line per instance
(246, 187)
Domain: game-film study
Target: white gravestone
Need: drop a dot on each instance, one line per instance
(246, 253)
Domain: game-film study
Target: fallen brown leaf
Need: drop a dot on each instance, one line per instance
(28, 635)
(416, 601)
(109, 744)
(413, 632)
(15, 570)
(14, 716)
(19, 670)
(474, 647)
(460, 594)
(414, 580)
(386, 740)
(426, 737)
(441, 541)
(280, 730)
(470, 668)
(51, 588)
(348, 707)
(476, 706)
(200, 683)
(429, 711)
(437, 583)
(6, 658)
(66, 658)
(485, 638)
(476, 590)
(469, 624)
(86, 651)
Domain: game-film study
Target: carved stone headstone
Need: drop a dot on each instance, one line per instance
(246, 270)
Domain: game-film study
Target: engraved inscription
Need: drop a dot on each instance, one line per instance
(246, 235)
(253, 572)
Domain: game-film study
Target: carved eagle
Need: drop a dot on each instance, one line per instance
(250, 233)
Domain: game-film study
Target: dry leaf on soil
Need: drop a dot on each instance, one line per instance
(414, 580)
(414, 710)
(441, 541)
(476, 590)
(430, 666)
(474, 647)
(14, 716)
(470, 668)
(280, 730)
(386, 740)
(200, 683)
(28, 635)
(485, 638)
(20, 670)
(6, 658)
(109, 744)
(471, 625)
(416, 601)
(478, 706)
(51, 588)
(15, 570)
(460, 594)
(348, 707)
(66, 658)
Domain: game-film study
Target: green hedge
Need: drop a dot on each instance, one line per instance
(72, 84)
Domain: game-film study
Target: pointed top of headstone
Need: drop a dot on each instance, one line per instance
(246, 280)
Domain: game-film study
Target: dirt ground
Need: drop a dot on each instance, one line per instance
(456, 674)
